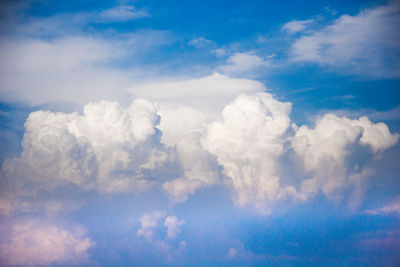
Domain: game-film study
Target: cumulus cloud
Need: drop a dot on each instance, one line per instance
(199, 166)
(366, 43)
(106, 149)
(173, 224)
(33, 243)
(324, 149)
(112, 149)
(148, 222)
(188, 105)
(248, 144)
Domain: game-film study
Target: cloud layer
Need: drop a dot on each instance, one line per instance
(111, 149)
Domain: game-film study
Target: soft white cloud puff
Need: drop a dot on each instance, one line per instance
(248, 144)
(34, 243)
(188, 105)
(105, 149)
(199, 166)
(366, 43)
(173, 225)
(148, 222)
(112, 149)
(324, 149)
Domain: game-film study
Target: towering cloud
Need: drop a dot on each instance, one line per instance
(324, 149)
(248, 144)
(111, 149)
(106, 149)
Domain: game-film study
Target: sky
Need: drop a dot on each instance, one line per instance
(199, 133)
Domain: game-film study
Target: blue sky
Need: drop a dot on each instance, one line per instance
(199, 133)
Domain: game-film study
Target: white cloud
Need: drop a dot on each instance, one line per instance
(393, 207)
(173, 225)
(186, 105)
(112, 149)
(366, 43)
(64, 70)
(199, 166)
(106, 149)
(199, 42)
(34, 243)
(240, 63)
(210, 93)
(324, 149)
(296, 26)
(148, 222)
(176, 122)
(122, 13)
(72, 69)
(248, 144)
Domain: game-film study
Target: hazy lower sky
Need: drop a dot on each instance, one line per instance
(199, 133)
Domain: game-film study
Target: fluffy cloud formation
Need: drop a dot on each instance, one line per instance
(367, 43)
(199, 166)
(34, 243)
(325, 149)
(188, 105)
(111, 149)
(173, 225)
(148, 222)
(248, 144)
(107, 149)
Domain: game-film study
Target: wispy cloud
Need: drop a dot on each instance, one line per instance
(296, 26)
(365, 44)
(122, 13)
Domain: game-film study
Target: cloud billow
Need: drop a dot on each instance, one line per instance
(114, 150)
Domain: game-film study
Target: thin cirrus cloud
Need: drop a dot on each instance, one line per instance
(363, 44)
(122, 13)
